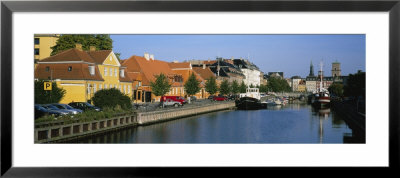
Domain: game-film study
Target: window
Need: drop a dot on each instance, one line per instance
(36, 51)
(105, 71)
(116, 72)
(111, 86)
(47, 68)
(70, 68)
(129, 89)
(111, 71)
(134, 94)
(105, 86)
(94, 88)
(91, 70)
(140, 83)
(88, 88)
(37, 41)
(100, 86)
(124, 88)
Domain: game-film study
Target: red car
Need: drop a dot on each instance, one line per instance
(174, 98)
(220, 98)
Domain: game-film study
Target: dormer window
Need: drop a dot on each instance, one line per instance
(121, 73)
(91, 70)
(69, 68)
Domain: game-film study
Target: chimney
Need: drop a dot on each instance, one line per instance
(78, 46)
(152, 57)
(147, 56)
(204, 66)
(92, 48)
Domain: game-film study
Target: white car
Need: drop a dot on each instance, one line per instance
(170, 102)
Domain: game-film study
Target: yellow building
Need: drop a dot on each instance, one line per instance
(43, 44)
(83, 73)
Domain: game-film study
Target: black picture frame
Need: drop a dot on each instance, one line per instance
(8, 7)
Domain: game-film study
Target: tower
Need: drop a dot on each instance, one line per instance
(336, 72)
(311, 74)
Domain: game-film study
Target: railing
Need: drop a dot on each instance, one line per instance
(57, 130)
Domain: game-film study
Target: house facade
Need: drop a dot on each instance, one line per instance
(83, 73)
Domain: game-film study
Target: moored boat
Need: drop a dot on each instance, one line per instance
(321, 98)
(250, 100)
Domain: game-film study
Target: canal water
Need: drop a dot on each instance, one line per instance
(293, 123)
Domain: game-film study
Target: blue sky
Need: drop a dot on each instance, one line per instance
(290, 54)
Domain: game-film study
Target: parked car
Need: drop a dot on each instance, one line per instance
(220, 98)
(54, 108)
(193, 98)
(67, 107)
(41, 111)
(174, 98)
(84, 106)
(211, 97)
(170, 102)
(233, 97)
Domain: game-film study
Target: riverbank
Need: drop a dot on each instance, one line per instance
(57, 131)
(352, 117)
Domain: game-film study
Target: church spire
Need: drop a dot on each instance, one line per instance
(311, 74)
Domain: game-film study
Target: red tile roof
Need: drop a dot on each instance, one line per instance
(99, 56)
(148, 68)
(179, 65)
(204, 73)
(74, 54)
(126, 77)
(79, 71)
(70, 55)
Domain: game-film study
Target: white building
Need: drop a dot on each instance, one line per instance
(251, 72)
(295, 83)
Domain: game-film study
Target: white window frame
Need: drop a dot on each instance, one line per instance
(105, 71)
(124, 88)
(94, 88)
(116, 73)
(111, 72)
(129, 89)
(100, 86)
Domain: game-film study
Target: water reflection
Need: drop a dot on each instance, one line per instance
(292, 123)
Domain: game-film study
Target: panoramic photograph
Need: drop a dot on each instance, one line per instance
(199, 88)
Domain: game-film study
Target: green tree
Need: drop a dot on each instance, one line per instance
(161, 86)
(263, 88)
(336, 88)
(101, 42)
(355, 85)
(251, 85)
(192, 85)
(211, 86)
(110, 98)
(224, 88)
(242, 87)
(235, 87)
(48, 96)
(276, 84)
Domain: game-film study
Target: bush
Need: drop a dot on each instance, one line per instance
(48, 96)
(111, 98)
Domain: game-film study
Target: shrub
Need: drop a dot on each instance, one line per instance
(111, 98)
